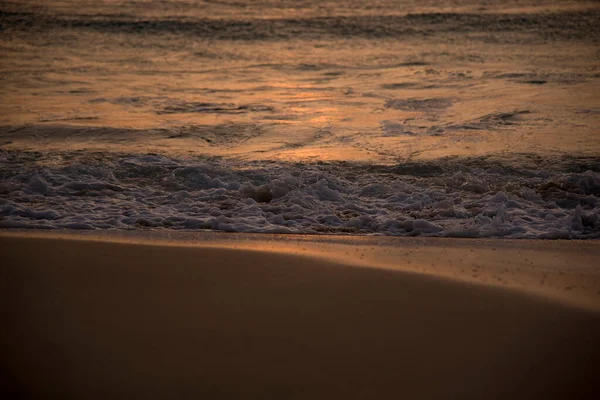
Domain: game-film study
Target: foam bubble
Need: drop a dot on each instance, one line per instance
(463, 198)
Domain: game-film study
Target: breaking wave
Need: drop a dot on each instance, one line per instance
(475, 197)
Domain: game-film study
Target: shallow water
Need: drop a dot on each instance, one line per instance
(463, 118)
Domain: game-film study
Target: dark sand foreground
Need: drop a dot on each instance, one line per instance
(98, 319)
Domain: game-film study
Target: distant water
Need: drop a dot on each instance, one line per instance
(464, 118)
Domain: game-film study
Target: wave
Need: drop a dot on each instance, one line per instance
(471, 197)
(576, 25)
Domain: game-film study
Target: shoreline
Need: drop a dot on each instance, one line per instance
(561, 270)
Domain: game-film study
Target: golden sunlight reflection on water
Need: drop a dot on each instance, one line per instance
(343, 86)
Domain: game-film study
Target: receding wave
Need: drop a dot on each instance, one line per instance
(474, 197)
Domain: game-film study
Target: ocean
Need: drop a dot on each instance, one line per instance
(454, 118)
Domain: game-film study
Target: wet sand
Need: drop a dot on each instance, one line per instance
(248, 317)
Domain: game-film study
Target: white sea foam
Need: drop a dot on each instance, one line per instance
(468, 198)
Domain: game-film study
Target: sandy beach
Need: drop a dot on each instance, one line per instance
(259, 316)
